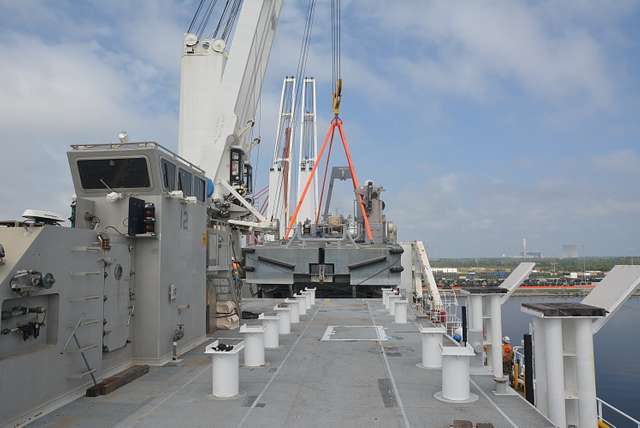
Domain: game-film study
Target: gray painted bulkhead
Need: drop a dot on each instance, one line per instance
(134, 316)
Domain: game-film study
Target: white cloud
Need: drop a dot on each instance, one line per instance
(626, 161)
(475, 48)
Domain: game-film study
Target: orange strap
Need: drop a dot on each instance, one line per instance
(303, 195)
(335, 123)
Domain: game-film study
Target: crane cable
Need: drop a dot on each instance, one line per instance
(336, 47)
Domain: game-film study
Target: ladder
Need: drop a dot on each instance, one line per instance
(82, 349)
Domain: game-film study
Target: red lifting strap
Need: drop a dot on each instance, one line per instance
(335, 123)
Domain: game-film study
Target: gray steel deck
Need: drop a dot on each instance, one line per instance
(306, 383)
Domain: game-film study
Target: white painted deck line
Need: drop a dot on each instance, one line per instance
(405, 419)
(275, 374)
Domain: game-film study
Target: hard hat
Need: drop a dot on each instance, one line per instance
(506, 339)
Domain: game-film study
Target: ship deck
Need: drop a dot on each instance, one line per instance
(307, 382)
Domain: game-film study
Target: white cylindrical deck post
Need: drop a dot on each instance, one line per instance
(271, 330)
(302, 303)
(225, 370)
(253, 345)
(307, 296)
(475, 303)
(455, 375)
(385, 293)
(313, 294)
(540, 366)
(294, 305)
(284, 323)
(586, 373)
(555, 371)
(400, 313)
(496, 336)
(431, 347)
(392, 300)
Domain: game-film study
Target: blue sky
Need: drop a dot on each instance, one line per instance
(486, 122)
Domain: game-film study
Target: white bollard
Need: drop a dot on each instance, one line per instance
(313, 295)
(400, 311)
(294, 305)
(307, 295)
(302, 302)
(455, 375)
(431, 347)
(385, 292)
(225, 370)
(392, 300)
(253, 345)
(284, 323)
(271, 333)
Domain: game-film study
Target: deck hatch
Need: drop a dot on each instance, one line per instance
(349, 333)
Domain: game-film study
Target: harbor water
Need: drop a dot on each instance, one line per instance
(617, 350)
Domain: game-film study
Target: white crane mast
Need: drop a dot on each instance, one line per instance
(280, 171)
(220, 89)
(308, 149)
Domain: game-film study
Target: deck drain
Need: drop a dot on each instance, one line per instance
(349, 333)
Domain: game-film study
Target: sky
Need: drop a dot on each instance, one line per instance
(486, 122)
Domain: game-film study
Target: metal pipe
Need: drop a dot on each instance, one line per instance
(555, 371)
(540, 368)
(586, 373)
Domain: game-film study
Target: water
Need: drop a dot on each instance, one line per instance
(617, 350)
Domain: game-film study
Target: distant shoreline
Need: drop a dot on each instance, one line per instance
(560, 291)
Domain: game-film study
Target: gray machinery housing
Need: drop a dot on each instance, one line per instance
(339, 261)
(118, 288)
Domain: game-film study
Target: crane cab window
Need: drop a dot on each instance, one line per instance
(184, 182)
(123, 173)
(199, 188)
(168, 175)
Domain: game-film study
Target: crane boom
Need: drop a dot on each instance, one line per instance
(219, 92)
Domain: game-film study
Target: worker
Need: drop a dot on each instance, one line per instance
(507, 356)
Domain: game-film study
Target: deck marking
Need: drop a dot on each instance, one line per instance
(391, 378)
(135, 419)
(286, 357)
(484, 394)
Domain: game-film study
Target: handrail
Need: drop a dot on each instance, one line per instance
(601, 402)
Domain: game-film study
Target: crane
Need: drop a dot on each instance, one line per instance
(221, 77)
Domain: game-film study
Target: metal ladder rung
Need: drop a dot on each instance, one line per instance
(84, 299)
(84, 348)
(85, 323)
(82, 374)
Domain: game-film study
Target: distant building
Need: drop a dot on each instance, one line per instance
(444, 270)
(570, 251)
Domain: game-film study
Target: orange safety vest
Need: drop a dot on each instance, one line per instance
(507, 351)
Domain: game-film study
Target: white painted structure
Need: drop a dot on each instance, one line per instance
(270, 324)
(565, 387)
(294, 305)
(280, 171)
(284, 320)
(302, 303)
(225, 370)
(308, 147)
(307, 295)
(400, 311)
(220, 90)
(392, 298)
(431, 347)
(455, 375)
(253, 345)
(313, 294)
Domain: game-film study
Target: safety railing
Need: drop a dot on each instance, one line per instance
(629, 421)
